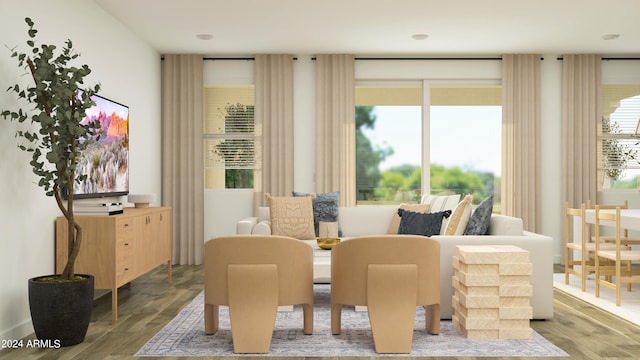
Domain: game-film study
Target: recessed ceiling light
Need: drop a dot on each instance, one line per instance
(610, 36)
(204, 36)
(419, 36)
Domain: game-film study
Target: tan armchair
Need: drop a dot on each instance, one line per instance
(391, 274)
(254, 275)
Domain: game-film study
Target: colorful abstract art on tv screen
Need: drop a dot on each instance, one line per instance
(106, 162)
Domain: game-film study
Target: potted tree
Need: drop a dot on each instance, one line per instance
(53, 132)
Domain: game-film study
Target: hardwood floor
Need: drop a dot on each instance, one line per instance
(147, 304)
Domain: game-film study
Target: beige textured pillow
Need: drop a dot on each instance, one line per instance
(292, 216)
(459, 217)
(395, 221)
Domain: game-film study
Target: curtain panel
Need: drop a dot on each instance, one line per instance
(335, 129)
(521, 178)
(273, 126)
(581, 112)
(182, 154)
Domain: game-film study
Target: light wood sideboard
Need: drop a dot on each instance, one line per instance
(119, 248)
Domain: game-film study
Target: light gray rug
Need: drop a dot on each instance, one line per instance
(184, 336)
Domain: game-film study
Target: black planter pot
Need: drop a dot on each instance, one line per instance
(61, 311)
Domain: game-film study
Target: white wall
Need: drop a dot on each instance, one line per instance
(551, 128)
(128, 71)
(304, 114)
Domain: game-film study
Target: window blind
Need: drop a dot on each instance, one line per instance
(229, 127)
(619, 133)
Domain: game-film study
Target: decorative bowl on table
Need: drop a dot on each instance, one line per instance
(327, 243)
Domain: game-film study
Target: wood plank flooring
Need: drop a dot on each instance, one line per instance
(148, 303)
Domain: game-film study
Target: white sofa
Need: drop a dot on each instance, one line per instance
(504, 230)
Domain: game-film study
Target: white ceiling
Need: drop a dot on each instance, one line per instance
(383, 27)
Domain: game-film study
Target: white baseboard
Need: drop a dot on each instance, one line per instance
(18, 332)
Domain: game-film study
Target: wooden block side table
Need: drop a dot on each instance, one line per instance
(492, 292)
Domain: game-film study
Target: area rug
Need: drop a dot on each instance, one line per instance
(184, 336)
(629, 308)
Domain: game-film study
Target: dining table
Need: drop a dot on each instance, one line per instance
(629, 218)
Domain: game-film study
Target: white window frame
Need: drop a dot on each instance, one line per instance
(426, 119)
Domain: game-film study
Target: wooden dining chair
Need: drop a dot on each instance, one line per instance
(571, 216)
(625, 238)
(617, 270)
(586, 264)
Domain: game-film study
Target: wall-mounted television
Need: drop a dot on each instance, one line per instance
(106, 161)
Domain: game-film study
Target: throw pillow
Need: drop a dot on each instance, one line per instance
(441, 202)
(415, 223)
(460, 217)
(291, 216)
(395, 221)
(480, 218)
(325, 208)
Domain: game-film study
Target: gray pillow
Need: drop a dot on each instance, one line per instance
(415, 223)
(480, 218)
(325, 208)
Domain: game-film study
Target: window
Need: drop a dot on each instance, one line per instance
(388, 143)
(451, 145)
(619, 137)
(465, 139)
(229, 136)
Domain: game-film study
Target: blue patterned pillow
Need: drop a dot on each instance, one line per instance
(480, 218)
(425, 224)
(325, 208)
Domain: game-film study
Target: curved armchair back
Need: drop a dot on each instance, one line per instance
(253, 275)
(350, 260)
(293, 258)
(391, 275)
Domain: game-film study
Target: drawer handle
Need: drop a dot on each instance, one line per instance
(126, 225)
(126, 244)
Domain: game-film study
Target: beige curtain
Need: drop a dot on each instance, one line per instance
(335, 129)
(182, 154)
(273, 126)
(521, 194)
(581, 111)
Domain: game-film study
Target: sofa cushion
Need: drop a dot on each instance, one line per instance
(263, 213)
(262, 228)
(480, 218)
(395, 221)
(459, 217)
(366, 220)
(325, 208)
(440, 202)
(425, 224)
(505, 225)
(291, 216)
